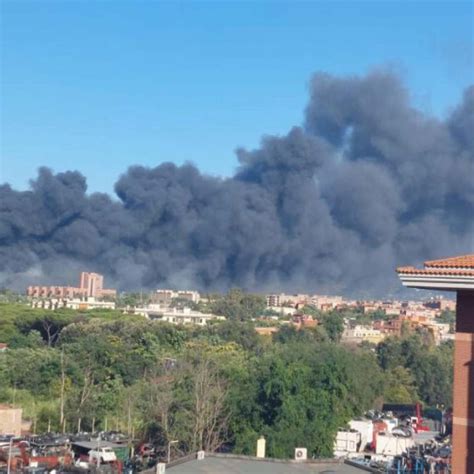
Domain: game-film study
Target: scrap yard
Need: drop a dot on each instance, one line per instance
(399, 439)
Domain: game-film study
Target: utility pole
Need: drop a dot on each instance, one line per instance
(129, 417)
(10, 445)
(63, 383)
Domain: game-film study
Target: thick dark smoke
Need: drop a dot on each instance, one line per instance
(366, 184)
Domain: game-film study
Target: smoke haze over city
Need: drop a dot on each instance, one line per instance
(366, 183)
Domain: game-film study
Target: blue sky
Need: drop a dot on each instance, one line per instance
(100, 85)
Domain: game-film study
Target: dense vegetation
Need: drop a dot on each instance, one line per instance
(220, 386)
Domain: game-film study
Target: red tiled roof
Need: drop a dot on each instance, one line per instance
(434, 271)
(463, 261)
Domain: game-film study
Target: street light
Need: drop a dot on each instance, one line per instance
(169, 448)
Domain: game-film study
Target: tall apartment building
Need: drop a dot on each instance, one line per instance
(273, 300)
(91, 283)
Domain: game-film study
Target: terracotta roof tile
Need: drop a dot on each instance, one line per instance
(463, 261)
(435, 271)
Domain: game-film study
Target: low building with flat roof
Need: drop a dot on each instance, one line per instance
(227, 463)
(360, 333)
(181, 316)
(82, 304)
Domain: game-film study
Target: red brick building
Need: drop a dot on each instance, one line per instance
(455, 274)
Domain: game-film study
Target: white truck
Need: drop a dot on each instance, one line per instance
(102, 455)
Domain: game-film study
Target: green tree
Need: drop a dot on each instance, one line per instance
(300, 394)
(448, 317)
(430, 366)
(333, 323)
(239, 306)
(243, 333)
(400, 386)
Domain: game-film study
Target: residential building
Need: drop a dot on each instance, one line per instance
(455, 274)
(54, 292)
(304, 321)
(282, 299)
(189, 295)
(164, 297)
(370, 306)
(441, 304)
(326, 303)
(89, 303)
(359, 333)
(419, 312)
(93, 285)
(85, 303)
(183, 316)
(90, 285)
(282, 310)
(150, 311)
(392, 327)
(273, 301)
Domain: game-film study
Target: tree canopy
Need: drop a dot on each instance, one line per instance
(219, 386)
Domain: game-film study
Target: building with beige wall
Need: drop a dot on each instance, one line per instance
(10, 420)
(165, 296)
(359, 333)
(184, 316)
(282, 299)
(82, 304)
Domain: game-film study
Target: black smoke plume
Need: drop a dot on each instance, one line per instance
(367, 183)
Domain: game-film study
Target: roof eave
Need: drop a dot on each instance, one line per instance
(437, 282)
